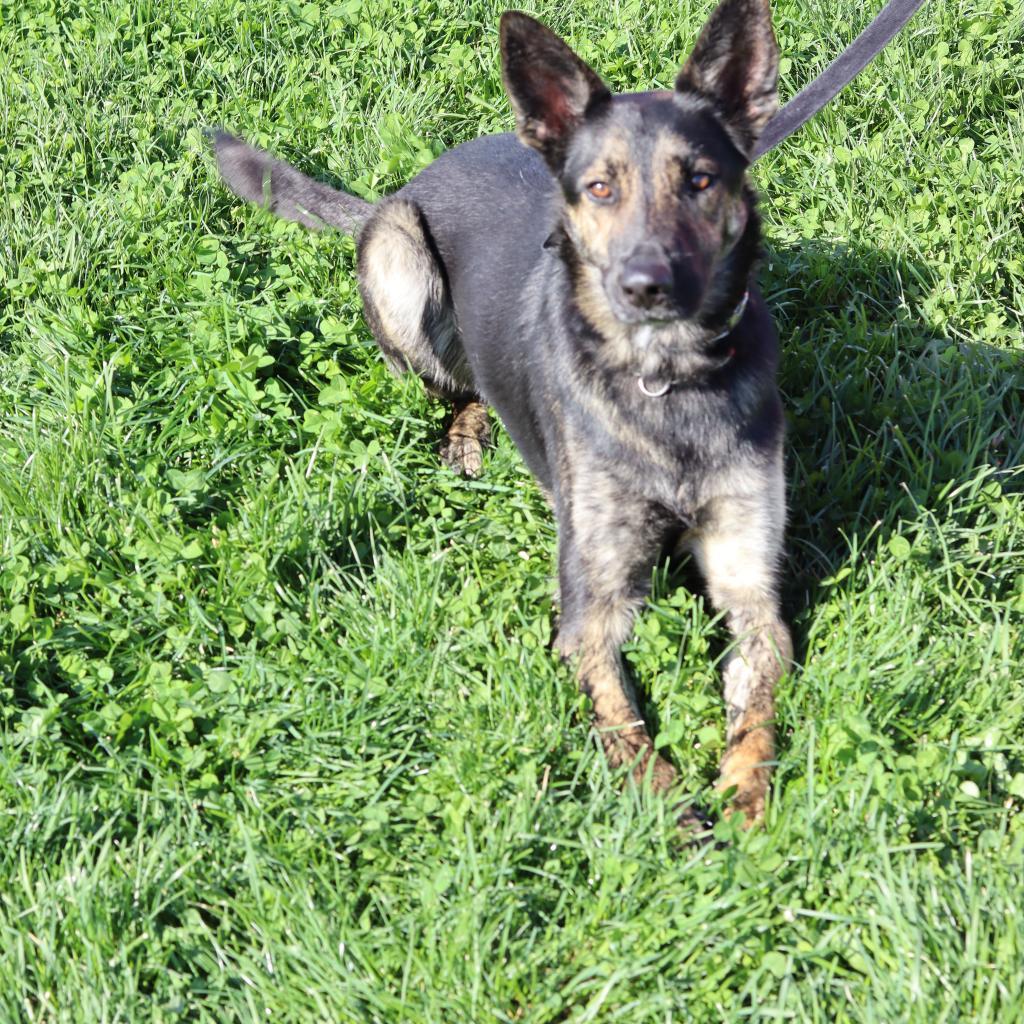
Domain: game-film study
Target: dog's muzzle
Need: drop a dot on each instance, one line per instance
(647, 287)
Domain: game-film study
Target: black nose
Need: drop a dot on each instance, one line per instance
(646, 280)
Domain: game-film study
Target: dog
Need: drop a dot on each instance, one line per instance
(590, 278)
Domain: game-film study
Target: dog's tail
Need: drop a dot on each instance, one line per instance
(256, 176)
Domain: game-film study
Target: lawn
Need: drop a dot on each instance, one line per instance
(281, 738)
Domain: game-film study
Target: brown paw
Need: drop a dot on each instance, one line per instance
(750, 790)
(463, 454)
(468, 433)
(750, 804)
(662, 774)
(746, 768)
(633, 747)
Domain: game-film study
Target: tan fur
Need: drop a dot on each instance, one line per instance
(399, 278)
(746, 767)
(723, 213)
(467, 436)
(617, 717)
(594, 228)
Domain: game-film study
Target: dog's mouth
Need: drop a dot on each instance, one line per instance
(664, 313)
(632, 317)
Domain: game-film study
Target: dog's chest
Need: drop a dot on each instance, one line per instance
(663, 456)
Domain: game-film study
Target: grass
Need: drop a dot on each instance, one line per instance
(281, 737)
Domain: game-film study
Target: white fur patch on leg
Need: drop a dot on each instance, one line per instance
(738, 679)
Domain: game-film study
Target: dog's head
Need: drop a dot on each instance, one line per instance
(654, 183)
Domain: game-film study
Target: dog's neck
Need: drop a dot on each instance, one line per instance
(714, 354)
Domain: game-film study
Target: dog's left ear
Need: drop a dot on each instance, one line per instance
(551, 89)
(735, 64)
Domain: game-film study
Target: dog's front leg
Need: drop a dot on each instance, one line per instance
(602, 678)
(607, 551)
(738, 550)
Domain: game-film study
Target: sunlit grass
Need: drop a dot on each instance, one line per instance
(281, 736)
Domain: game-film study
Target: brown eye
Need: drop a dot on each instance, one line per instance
(600, 189)
(701, 181)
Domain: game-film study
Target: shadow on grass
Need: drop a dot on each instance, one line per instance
(887, 414)
(886, 411)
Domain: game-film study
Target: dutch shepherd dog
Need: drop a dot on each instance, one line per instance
(591, 278)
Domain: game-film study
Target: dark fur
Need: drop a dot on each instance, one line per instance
(503, 274)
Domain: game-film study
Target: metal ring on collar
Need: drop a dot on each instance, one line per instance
(664, 390)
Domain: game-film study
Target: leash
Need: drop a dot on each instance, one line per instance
(843, 70)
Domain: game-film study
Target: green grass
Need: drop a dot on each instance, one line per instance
(281, 736)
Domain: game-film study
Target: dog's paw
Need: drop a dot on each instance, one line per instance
(463, 454)
(746, 793)
(566, 643)
(647, 766)
(662, 774)
(468, 434)
(750, 805)
(746, 771)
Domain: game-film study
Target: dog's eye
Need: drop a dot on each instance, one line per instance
(600, 190)
(701, 181)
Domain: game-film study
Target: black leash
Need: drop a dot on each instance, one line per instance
(806, 103)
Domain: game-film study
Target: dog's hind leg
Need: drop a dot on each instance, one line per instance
(738, 550)
(408, 306)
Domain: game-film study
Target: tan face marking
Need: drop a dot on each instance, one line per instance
(595, 221)
(708, 213)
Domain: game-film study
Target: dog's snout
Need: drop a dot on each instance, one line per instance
(646, 281)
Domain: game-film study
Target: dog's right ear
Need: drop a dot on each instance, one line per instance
(551, 89)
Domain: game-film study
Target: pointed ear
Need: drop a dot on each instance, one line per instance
(551, 89)
(735, 64)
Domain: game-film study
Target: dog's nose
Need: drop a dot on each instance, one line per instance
(646, 280)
